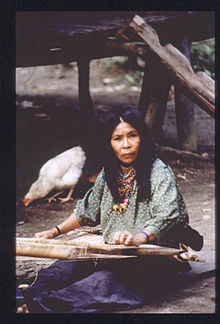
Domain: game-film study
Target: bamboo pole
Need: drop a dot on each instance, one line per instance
(46, 250)
(64, 252)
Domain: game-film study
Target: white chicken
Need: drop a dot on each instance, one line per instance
(59, 173)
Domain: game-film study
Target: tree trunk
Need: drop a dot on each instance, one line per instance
(153, 99)
(185, 115)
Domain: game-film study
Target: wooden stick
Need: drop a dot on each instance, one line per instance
(183, 154)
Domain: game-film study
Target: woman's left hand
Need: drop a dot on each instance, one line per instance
(127, 238)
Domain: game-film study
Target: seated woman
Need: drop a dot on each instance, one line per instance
(136, 200)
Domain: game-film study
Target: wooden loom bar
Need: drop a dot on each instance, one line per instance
(57, 251)
(74, 249)
(46, 250)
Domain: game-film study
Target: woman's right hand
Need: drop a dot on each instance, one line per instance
(69, 224)
(47, 234)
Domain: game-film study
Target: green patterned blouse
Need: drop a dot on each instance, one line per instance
(164, 210)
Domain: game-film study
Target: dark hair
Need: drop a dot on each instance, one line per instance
(146, 154)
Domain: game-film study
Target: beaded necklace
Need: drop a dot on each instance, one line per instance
(125, 183)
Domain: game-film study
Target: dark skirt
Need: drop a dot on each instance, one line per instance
(102, 287)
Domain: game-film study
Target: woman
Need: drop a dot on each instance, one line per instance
(135, 199)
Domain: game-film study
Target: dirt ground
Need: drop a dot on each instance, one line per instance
(48, 123)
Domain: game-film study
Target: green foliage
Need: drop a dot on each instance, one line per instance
(110, 61)
(128, 76)
(203, 56)
(133, 78)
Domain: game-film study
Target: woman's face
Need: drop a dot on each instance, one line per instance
(125, 142)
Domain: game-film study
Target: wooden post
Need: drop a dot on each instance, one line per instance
(185, 115)
(153, 98)
(83, 84)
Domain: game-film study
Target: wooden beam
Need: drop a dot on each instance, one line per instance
(64, 54)
(174, 61)
(138, 48)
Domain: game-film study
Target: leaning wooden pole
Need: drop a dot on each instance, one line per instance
(174, 61)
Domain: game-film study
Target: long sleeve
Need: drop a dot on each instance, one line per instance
(87, 210)
(164, 206)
